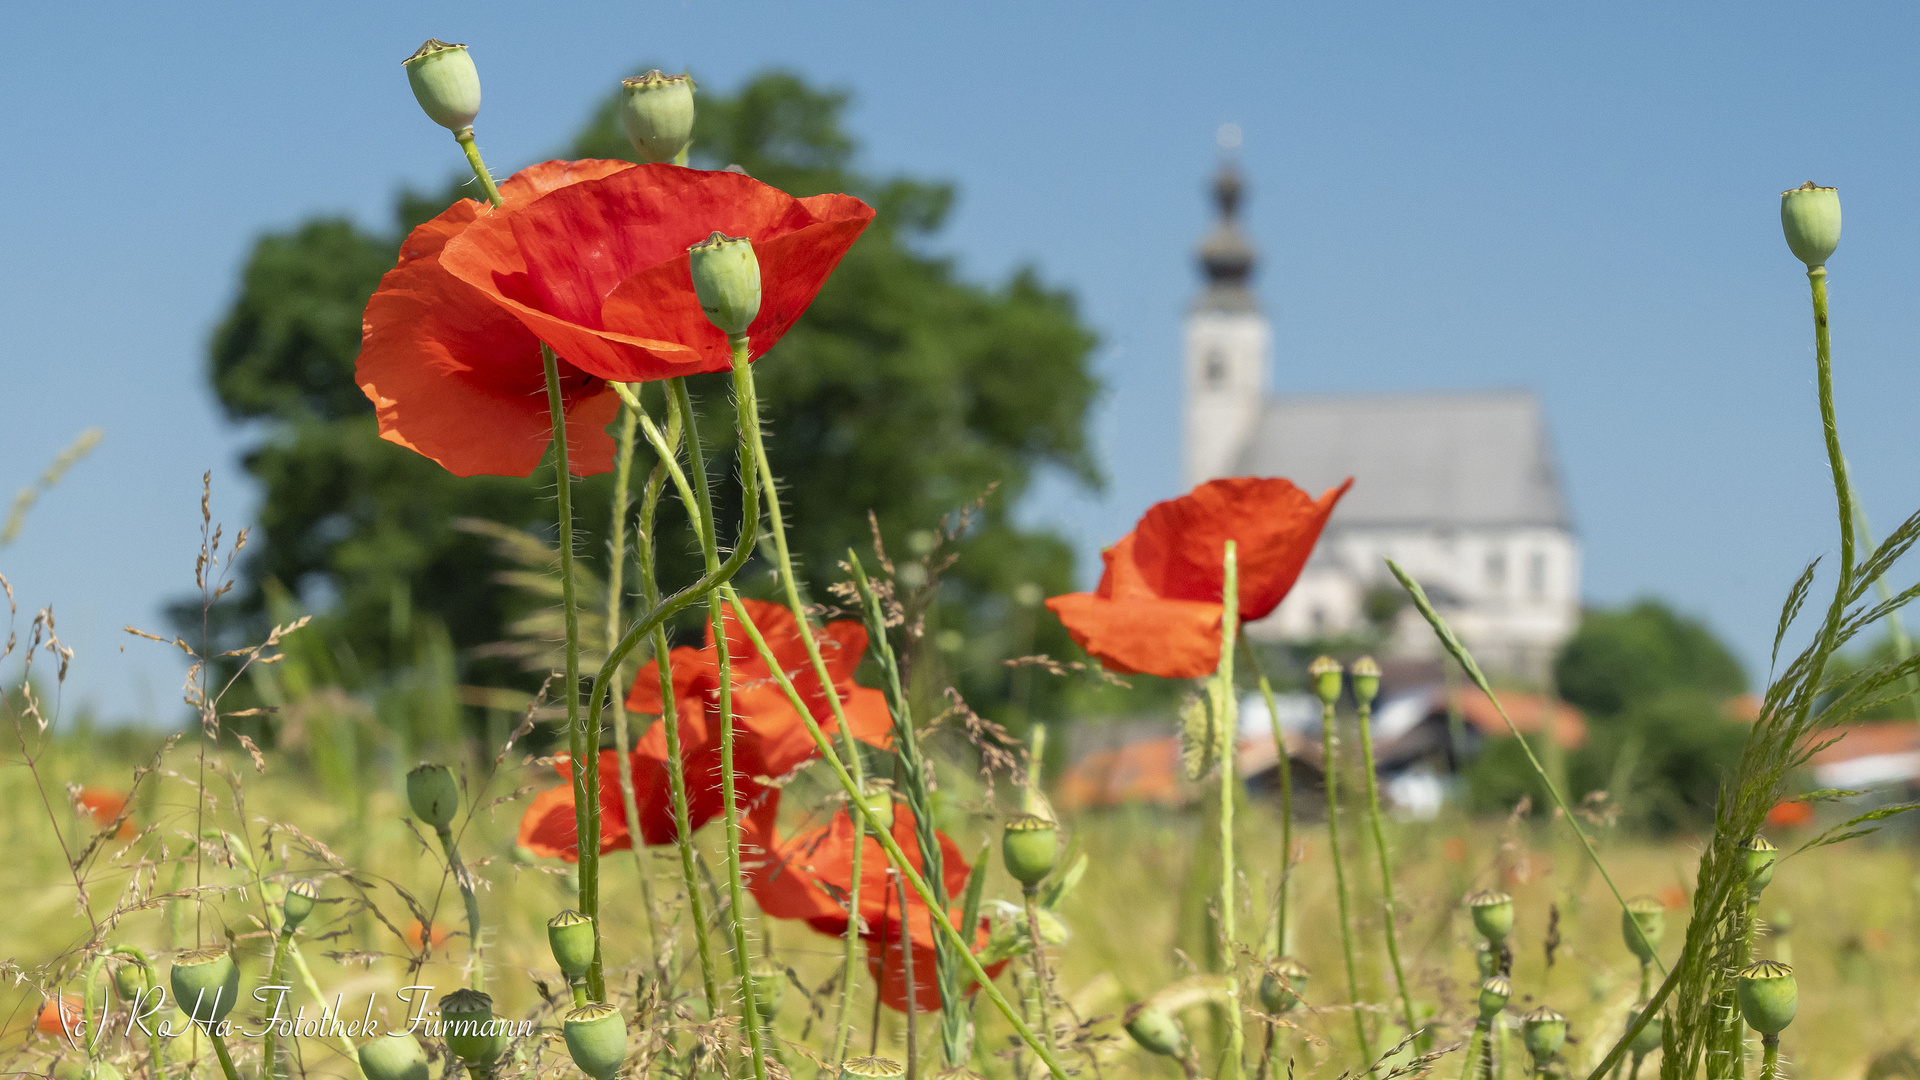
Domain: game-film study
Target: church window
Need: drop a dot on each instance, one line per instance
(1216, 369)
(1496, 569)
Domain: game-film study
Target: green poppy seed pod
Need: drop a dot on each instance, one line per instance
(1325, 673)
(394, 1056)
(1028, 847)
(130, 979)
(1810, 216)
(570, 935)
(445, 83)
(206, 984)
(1281, 985)
(434, 794)
(726, 278)
(1366, 680)
(871, 1068)
(1156, 1030)
(1760, 855)
(1543, 1030)
(1494, 995)
(1646, 917)
(657, 111)
(471, 1032)
(597, 1039)
(769, 986)
(1649, 1038)
(100, 1070)
(301, 896)
(880, 805)
(1768, 996)
(1492, 914)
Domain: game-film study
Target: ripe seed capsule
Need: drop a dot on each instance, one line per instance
(301, 896)
(1543, 1030)
(1494, 995)
(726, 278)
(570, 936)
(396, 1055)
(206, 984)
(1028, 846)
(1649, 1038)
(657, 112)
(472, 1034)
(1156, 1030)
(1492, 914)
(596, 1036)
(434, 794)
(1768, 996)
(1810, 216)
(1644, 917)
(1282, 984)
(1760, 855)
(445, 83)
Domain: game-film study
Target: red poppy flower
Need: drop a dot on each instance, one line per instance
(103, 806)
(419, 937)
(457, 379)
(770, 738)
(808, 877)
(57, 1017)
(1157, 608)
(1790, 814)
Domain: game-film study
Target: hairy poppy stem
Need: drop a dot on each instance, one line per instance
(465, 138)
(1823, 358)
(220, 1051)
(1386, 862)
(616, 611)
(1228, 725)
(897, 857)
(1329, 750)
(745, 407)
(1284, 763)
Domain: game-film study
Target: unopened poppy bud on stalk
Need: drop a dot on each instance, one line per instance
(726, 278)
(301, 896)
(130, 979)
(1810, 216)
(1028, 846)
(445, 83)
(393, 1056)
(1325, 673)
(596, 1037)
(657, 111)
(1492, 914)
(433, 794)
(1544, 1031)
(570, 936)
(1768, 996)
(206, 984)
(1156, 1030)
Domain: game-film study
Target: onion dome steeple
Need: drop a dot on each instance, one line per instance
(1226, 256)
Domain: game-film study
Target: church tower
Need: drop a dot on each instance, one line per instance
(1228, 341)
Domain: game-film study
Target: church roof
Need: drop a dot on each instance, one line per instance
(1477, 458)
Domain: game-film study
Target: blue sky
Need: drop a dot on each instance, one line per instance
(1577, 199)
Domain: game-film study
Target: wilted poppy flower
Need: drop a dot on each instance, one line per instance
(591, 258)
(1157, 608)
(57, 1017)
(102, 806)
(770, 738)
(433, 935)
(809, 876)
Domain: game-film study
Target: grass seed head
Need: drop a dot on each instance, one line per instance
(394, 1056)
(596, 1037)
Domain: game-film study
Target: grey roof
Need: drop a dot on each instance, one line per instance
(1460, 459)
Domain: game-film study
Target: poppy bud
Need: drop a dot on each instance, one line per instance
(1281, 985)
(445, 83)
(100, 1070)
(1768, 996)
(880, 805)
(570, 936)
(299, 902)
(597, 1039)
(1366, 680)
(871, 1068)
(394, 1056)
(726, 278)
(434, 794)
(471, 1032)
(769, 985)
(657, 111)
(206, 984)
(1645, 918)
(1494, 994)
(1325, 673)
(1492, 914)
(1156, 1030)
(1760, 855)
(1543, 1030)
(130, 979)
(1028, 847)
(1810, 216)
(1649, 1038)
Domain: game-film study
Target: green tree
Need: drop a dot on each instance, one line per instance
(906, 391)
(1622, 657)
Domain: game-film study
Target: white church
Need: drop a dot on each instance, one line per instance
(1458, 487)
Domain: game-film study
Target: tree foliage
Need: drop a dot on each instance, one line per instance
(1627, 656)
(906, 391)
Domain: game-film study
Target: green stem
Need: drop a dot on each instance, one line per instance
(1329, 747)
(579, 988)
(465, 138)
(582, 745)
(1228, 741)
(1770, 1060)
(941, 920)
(1285, 765)
(616, 611)
(220, 1051)
(1647, 1013)
(1452, 644)
(271, 1063)
(716, 614)
(1030, 896)
(475, 960)
(1843, 491)
(1386, 864)
(1473, 1049)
